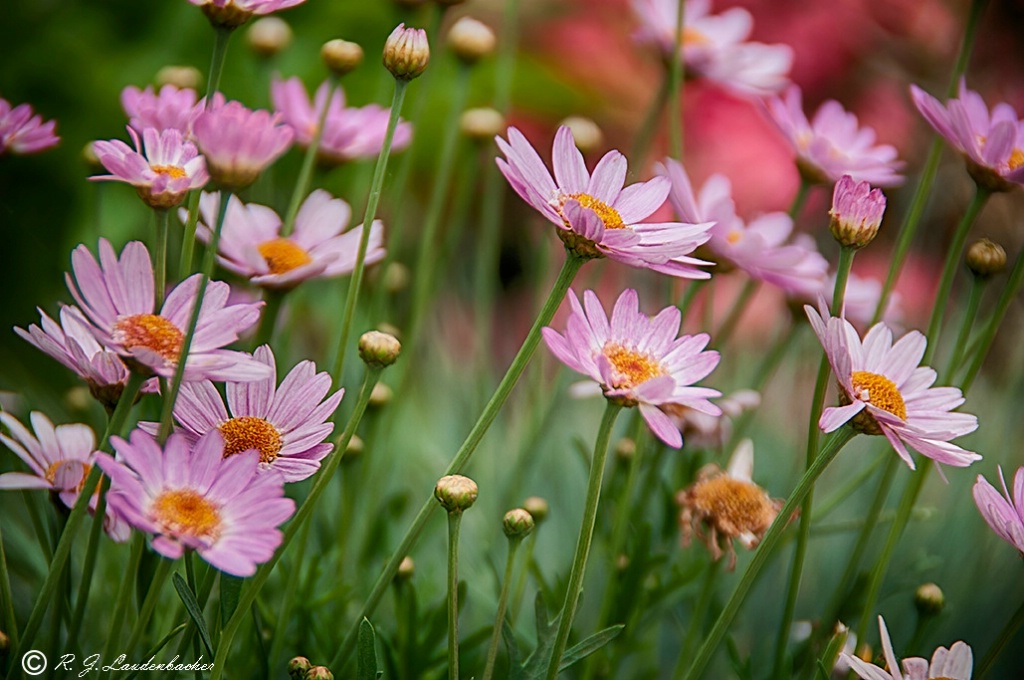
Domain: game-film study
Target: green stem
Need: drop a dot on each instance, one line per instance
(675, 97)
(268, 321)
(700, 610)
(772, 538)
(160, 254)
(9, 620)
(454, 523)
(517, 597)
(802, 192)
(970, 315)
(988, 336)
(689, 295)
(849, 488)
(499, 619)
(642, 141)
(221, 36)
(190, 579)
(163, 570)
(188, 239)
(738, 307)
(306, 171)
(579, 562)
(124, 595)
(1011, 628)
(85, 583)
(284, 618)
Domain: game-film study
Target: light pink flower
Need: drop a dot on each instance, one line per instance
(170, 109)
(992, 143)
(955, 663)
(705, 431)
(349, 133)
(637, 360)
(833, 144)
(595, 215)
(1005, 514)
(856, 213)
(193, 497)
(117, 297)
(22, 133)
(861, 300)
(884, 391)
(162, 173)
(233, 13)
(239, 143)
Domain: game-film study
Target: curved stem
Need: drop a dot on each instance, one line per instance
(988, 336)
(1011, 628)
(454, 524)
(306, 171)
(499, 619)
(970, 315)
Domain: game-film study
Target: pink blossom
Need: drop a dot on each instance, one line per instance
(1004, 514)
(22, 133)
(163, 168)
(239, 143)
(171, 108)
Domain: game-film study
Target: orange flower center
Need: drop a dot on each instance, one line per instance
(150, 331)
(735, 503)
(248, 432)
(609, 215)
(1016, 159)
(631, 366)
(693, 37)
(173, 171)
(54, 468)
(184, 511)
(880, 392)
(733, 237)
(283, 255)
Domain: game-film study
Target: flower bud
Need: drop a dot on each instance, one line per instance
(298, 667)
(91, 160)
(625, 449)
(406, 52)
(856, 212)
(482, 124)
(379, 349)
(341, 56)
(456, 493)
(182, 77)
(390, 329)
(5, 642)
(622, 562)
(381, 396)
(355, 448)
(396, 278)
(517, 523)
(471, 40)
(319, 673)
(537, 507)
(929, 600)
(986, 258)
(585, 132)
(406, 569)
(269, 36)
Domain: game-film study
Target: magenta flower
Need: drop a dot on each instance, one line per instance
(22, 133)
(60, 459)
(233, 13)
(833, 144)
(117, 297)
(884, 391)
(170, 109)
(595, 215)
(761, 248)
(349, 133)
(163, 174)
(856, 212)
(955, 663)
(637, 361)
(240, 143)
(1005, 514)
(992, 143)
(193, 497)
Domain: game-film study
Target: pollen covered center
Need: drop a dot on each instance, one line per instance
(694, 38)
(1016, 159)
(249, 432)
(609, 215)
(880, 392)
(58, 474)
(734, 503)
(150, 332)
(632, 367)
(172, 171)
(185, 512)
(283, 255)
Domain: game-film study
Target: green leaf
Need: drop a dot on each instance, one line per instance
(195, 612)
(366, 653)
(230, 589)
(515, 669)
(537, 663)
(587, 647)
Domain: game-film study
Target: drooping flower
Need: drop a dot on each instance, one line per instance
(955, 663)
(729, 505)
(637, 361)
(882, 390)
(991, 143)
(60, 459)
(594, 214)
(22, 133)
(117, 297)
(833, 144)
(1005, 514)
(163, 168)
(761, 248)
(239, 143)
(193, 497)
(286, 424)
(349, 133)
(233, 13)
(251, 244)
(856, 212)
(170, 109)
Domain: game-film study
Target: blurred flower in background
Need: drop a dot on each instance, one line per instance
(1005, 514)
(22, 133)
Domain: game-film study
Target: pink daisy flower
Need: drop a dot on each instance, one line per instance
(833, 144)
(761, 248)
(193, 497)
(22, 133)
(287, 425)
(882, 390)
(239, 143)
(595, 215)
(861, 300)
(117, 297)
(955, 663)
(251, 244)
(349, 133)
(60, 459)
(234, 13)
(170, 109)
(163, 168)
(992, 143)
(1005, 514)
(637, 361)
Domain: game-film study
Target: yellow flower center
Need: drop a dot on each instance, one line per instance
(737, 506)
(609, 215)
(631, 366)
(1016, 159)
(880, 392)
(249, 432)
(733, 237)
(173, 171)
(693, 37)
(150, 331)
(51, 472)
(283, 255)
(184, 511)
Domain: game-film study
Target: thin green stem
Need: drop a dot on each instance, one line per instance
(988, 336)
(579, 562)
(92, 550)
(849, 488)
(190, 579)
(221, 36)
(6, 600)
(499, 619)
(188, 238)
(675, 97)
(124, 596)
(1011, 628)
(772, 538)
(645, 134)
(970, 315)
(739, 305)
(700, 610)
(287, 602)
(274, 300)
(454, 524)
(160, 254)
(306, 171)
(163, 570)
(802, 192)
(689, 295)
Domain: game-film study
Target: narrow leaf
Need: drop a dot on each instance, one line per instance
(366, 654)
(587, 647)
(230, 589)
(195, 612)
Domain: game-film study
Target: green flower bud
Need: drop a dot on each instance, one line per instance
(456, 493)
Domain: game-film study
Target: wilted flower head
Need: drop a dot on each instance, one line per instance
(22, 133)
(233, 13)
(170, 109)
(1005, 514)
(406, 52)
(833, 144)
(163, 168)
(637, 360)
(595, 215)
(239, 143)
(992, 143)
(955, 663)
(856, 212)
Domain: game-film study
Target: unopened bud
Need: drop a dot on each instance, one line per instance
(5, 642)
(456, 493)
(406, 52)
(355, 448)
(517, 523)
(406, 569)
(182, 77)
(537, 507)
(319, 673)
(856, 212)
(471, 40)
(625, 449)
(929, 600)
(482, 124)
(986, 258)
(381, 396)
(341, 56)
(585, 133)
(396, 278)
(78, 398)
(91, 160)
(298, 667)
(269, 36)
(379, 349)
(622, 562)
